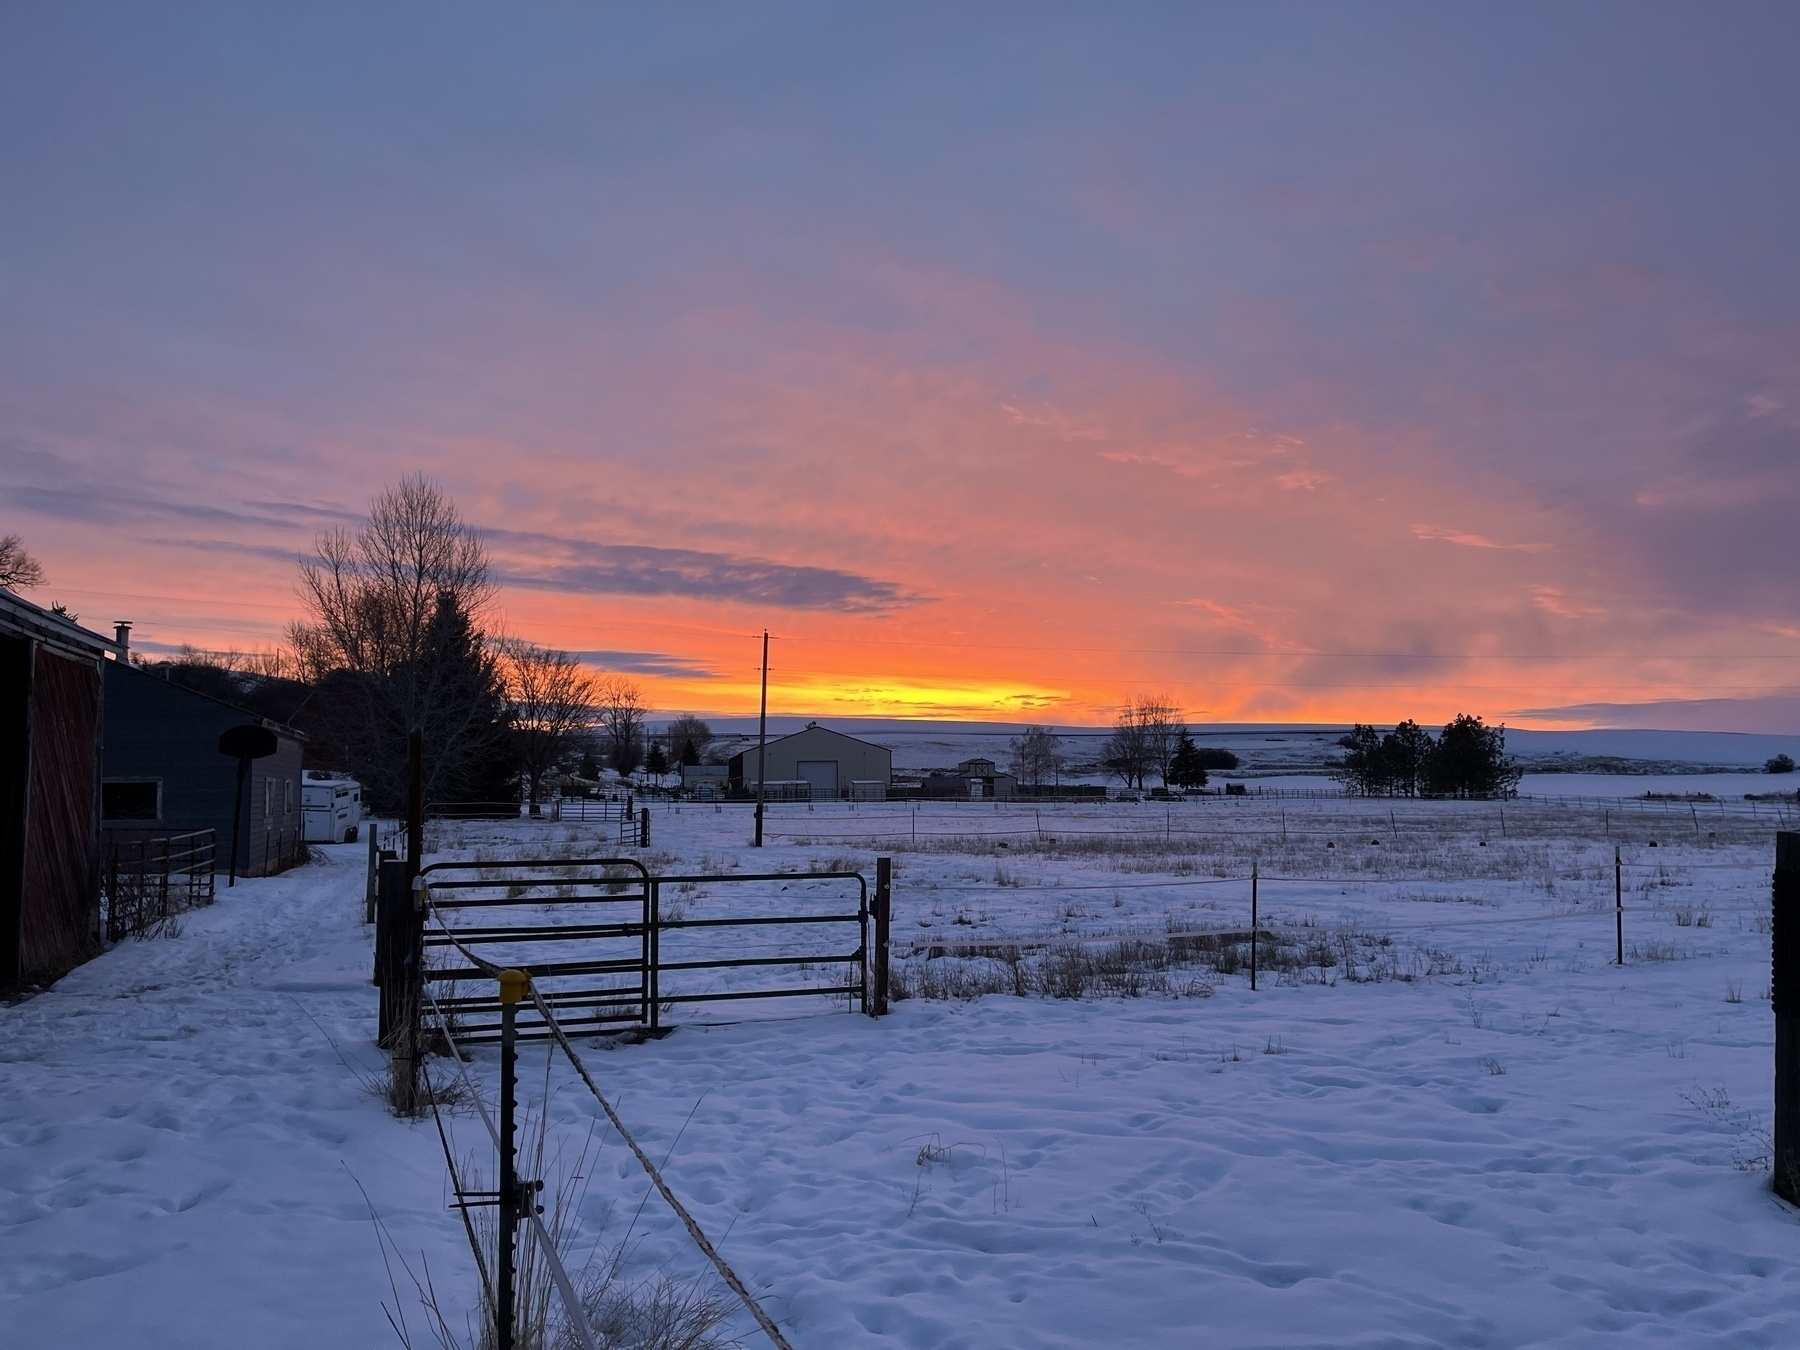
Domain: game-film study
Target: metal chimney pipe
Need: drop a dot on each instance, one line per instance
(122, 638)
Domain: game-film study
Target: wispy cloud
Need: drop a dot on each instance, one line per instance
(1468, 540)
(648, 663)
(547, 562)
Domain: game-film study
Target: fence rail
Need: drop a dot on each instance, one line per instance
(149, 879)
(597, 941)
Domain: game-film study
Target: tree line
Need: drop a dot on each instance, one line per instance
(1466, 759)
(1148, 738)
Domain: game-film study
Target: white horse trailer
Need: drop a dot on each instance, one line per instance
(331, 807)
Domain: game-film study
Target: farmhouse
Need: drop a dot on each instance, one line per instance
(829, 763)
(50, 714)
(165, 775)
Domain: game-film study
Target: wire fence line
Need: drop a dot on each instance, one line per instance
(1171, 883)
(559, 1275)
(565, 1289)
(926, 941)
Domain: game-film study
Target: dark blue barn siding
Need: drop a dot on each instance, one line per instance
(159, 730)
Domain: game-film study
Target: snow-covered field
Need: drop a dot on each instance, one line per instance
(1443, 1118)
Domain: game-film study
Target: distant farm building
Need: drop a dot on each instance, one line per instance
(817, 764)
(979, 779)
(705, 780)
(165, 775)
(51, 693)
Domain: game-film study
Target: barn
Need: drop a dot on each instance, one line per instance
(164, 773)
(831, 764)
(51, 689)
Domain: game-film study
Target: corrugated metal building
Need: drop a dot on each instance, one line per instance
(833, 764)
(164, 774)
(50, 718)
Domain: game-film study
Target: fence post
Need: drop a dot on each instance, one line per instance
(884, 879)
(644, 828)
(1619, 905)
(653, 954)
(1784, 1001)
(387, 869)
(374, 870)
(512, 989)
(1254, 874)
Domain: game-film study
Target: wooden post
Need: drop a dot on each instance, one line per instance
(415, 804)
(884, 879)
(1254, 874)
(374, 870)
(762, 744)
(644, 828)
(391, 896)
(387, 872)
(1784, 1001)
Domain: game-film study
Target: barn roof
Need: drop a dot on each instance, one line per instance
(21, 618)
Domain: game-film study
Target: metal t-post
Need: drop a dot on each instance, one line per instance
(1784, 1001)
(512, 989)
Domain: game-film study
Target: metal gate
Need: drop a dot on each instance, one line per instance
(612, 948)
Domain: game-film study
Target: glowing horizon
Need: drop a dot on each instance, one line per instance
(1300, 370)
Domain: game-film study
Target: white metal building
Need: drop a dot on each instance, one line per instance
(833, 765)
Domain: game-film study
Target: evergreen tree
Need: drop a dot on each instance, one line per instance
(1469, 760)
(1188, 768)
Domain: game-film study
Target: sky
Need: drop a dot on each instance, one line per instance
(1295, 362)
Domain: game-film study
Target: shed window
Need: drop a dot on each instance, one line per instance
(131, 799)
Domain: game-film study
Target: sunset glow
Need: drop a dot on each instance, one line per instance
(1307, 377)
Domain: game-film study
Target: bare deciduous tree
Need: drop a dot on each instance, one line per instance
(552, 703)
(619, 703)
(688, 739)
(1146, 735)
(18, 569)
(1163, 730)
(1036, 756)
(394, 643)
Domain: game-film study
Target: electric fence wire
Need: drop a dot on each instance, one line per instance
(565, 1287)
(726, 1273)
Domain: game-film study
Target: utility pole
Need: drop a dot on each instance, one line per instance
(762, 740)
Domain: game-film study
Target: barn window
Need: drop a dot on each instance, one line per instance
(131, 799)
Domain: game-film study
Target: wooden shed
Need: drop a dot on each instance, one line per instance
(51, 691)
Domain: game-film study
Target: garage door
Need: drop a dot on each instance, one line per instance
(822, 774)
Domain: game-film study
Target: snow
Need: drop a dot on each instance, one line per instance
(180, 1144)
(1528, 1145)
